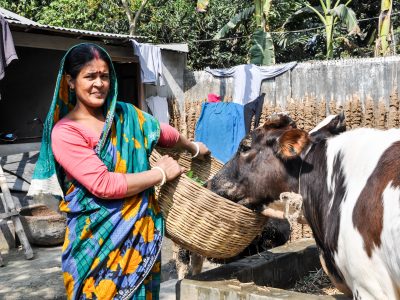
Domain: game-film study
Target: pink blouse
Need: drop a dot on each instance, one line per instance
(73, 147)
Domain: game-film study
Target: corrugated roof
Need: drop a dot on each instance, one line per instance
(17, 21)
(12, 17)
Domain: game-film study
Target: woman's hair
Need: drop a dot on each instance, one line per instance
(80, 55)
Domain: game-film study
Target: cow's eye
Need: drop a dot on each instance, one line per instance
(244, 148)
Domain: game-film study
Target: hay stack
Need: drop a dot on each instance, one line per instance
(381, 115)
(321, 112)
(369, 116)
(393, 114)
(356, 112)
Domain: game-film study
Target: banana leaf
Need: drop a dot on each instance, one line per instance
(348, 17)
(234, 21)
(262, 50)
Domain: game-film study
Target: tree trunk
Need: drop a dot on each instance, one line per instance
(258, 12)
(383, 40)
(329, 36)
(133, 19)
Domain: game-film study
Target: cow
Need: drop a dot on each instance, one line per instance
(350, 184)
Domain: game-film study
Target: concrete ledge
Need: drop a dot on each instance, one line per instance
(262, 276)
(235, 290)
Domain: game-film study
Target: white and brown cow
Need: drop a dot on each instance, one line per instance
(350, 184)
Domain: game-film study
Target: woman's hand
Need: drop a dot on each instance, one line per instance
(203, 150)
(170, 166)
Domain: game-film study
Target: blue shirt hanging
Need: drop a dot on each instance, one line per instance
(221, 128)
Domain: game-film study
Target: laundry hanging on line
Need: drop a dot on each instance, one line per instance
(253, 108)
(248, 78)
(221, 128)
(159, 108)
(150, 63)
(7, 49)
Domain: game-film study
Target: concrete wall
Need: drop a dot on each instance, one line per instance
(338, 79)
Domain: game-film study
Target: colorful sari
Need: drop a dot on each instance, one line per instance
(112, 247)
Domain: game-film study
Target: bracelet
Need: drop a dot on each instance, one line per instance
(197, 149)
(164, 177)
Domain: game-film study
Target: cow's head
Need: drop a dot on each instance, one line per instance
(268, 161)
(265, 164)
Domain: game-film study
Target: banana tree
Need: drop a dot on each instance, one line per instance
(262, 50)
(384, 29)
(331, 15)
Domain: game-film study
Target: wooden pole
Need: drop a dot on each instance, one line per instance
(10, 206)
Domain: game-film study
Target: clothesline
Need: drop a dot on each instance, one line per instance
(286, 32)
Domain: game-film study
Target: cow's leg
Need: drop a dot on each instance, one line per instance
(341, 286)
(182, 260)
(196, 262)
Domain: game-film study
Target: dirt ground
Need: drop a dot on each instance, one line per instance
(41, 277)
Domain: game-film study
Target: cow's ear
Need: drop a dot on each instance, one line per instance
(291, 143)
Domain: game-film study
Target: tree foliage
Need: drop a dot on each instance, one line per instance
(178, 21)
(295, 35)
(96, 15)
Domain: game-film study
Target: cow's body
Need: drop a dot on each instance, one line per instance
(357, 225)
(350, 185)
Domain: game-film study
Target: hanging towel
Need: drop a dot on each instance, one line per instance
(7, 49)
(253, 108)
(213, 98)
(248, 78)
(159, 108)
(150, 63)
(221, 128)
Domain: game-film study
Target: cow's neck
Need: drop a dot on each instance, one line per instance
(314, 190)
(313, 172)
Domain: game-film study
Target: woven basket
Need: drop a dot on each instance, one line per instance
(200, 220)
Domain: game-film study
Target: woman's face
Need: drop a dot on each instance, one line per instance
(92, 83)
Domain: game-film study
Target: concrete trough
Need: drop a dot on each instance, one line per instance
(267, 275)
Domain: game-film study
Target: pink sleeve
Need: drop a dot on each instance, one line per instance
(169, 136)
(73, 152)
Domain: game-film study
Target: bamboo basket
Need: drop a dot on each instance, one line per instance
(200, 220)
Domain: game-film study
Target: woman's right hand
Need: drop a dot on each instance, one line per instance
(170, 166)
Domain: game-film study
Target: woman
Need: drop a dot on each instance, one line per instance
(101, 149)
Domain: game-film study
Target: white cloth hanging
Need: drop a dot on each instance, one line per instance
(159, 108)
(248, 78)
(150, 63)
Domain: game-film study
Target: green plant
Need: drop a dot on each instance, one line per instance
(384, 29)
(196, 179)
(330, 14)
